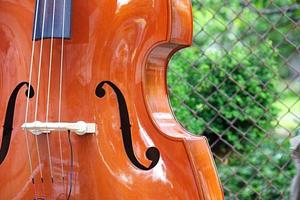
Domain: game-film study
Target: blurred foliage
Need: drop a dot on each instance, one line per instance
(224, 87)
(258, 175)
(231, 95)
(224, 23)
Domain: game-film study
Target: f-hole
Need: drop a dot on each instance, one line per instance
(152, 153)
(9, 118)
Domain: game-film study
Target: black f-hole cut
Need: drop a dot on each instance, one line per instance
(152, 153)
(9, 118)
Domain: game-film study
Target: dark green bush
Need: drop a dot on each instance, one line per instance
(229, 98)
(230, 95)
(263, 173)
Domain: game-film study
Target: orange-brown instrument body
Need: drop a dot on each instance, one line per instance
(126, 42)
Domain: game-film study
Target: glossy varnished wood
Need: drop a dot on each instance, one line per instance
(126, 42)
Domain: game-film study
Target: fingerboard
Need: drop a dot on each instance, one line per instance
(58, 26)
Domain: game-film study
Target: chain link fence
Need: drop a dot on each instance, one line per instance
(239, 85)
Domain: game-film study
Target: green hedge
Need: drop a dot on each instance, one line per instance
(230, 95)
(211, 93)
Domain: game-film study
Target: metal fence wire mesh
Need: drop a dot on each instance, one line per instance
(239, 86)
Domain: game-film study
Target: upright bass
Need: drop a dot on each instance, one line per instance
(84, 102)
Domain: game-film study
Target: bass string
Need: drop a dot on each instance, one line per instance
(60, 88)
(49, 87)
(29, 89)
(38, 86)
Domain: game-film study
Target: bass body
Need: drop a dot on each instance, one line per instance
(108, 70)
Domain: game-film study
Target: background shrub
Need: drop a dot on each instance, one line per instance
(232, 96)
